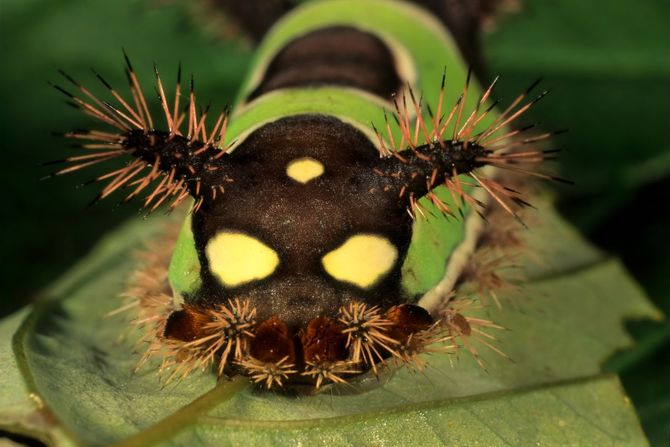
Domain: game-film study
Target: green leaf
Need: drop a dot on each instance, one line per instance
(591, 412)
(566, 324)
(21, 411)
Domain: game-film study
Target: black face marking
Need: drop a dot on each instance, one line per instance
(304, 222)
(336, 55)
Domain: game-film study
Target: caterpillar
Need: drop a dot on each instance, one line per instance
(333, 210)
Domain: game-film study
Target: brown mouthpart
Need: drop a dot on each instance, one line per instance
(323, 341)
(362, 338)
(186, 324)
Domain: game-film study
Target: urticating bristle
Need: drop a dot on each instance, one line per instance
(270, 374)
(186, 339)
(486, 270)
(366, 329)
(495, 267)
(228, 332)
(179, 163)
(416, 333)
(180, 361)
(146, 297)
(469, 331)
(437, 150)
(433, 340)
(324, 372)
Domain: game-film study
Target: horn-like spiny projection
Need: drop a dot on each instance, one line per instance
(186, 159)
(436, 151)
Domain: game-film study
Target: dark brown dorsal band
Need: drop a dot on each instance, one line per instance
(341, 56)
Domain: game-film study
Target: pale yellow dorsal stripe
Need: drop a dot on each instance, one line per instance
(236, 258)
(304, 169)
(362, 260)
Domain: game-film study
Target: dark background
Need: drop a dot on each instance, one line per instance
(607, 62)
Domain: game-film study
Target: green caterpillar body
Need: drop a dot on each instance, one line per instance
(334, 210)
(420, 54)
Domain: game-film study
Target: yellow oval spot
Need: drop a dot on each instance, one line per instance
(304, 169)
(361, 260)
(236, 258)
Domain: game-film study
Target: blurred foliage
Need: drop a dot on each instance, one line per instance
(607, 63)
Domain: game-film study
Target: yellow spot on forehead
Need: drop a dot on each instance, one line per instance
(236, 258)
(304, 169)
(361, 260)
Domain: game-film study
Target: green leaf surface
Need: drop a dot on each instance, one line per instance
(593, 412)
(21, 411)
(13, 393)
(568, 321)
